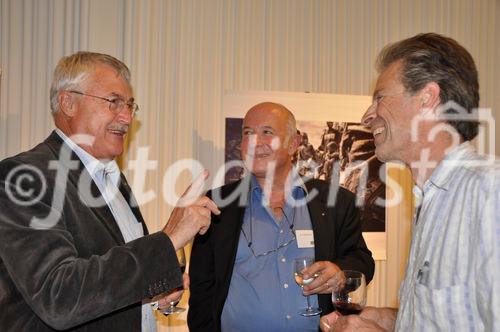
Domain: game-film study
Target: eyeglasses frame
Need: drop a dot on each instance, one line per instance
(132, 107)
(249, 242)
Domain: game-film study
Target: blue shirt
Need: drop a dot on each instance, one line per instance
(263, 295)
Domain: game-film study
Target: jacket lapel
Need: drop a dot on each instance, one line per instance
(126, 191)
(322, 229)
(102, 211)
(225, 253)
(226, 246)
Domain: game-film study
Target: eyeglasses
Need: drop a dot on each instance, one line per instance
(249, 241)
(116, 105)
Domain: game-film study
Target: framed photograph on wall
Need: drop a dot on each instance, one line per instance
(334, 147)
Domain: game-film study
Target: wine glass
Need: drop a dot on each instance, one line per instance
(299, 265)
(172, 308)
(349, 292)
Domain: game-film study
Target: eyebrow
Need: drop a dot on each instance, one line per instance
(263, 127)
(130, 100)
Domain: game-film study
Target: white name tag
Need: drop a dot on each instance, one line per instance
(305, 238)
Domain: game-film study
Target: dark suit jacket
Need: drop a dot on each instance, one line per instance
(75, 273)
(337, 237)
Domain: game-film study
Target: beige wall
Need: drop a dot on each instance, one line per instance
(185, 54)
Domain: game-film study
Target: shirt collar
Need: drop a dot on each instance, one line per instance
(443, 173)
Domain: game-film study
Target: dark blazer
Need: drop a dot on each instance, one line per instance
(337, 237)
(74, 272)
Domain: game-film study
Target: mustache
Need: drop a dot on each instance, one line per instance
(258, 151)
(123, 128)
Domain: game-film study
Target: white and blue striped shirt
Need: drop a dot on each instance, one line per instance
(452, 280)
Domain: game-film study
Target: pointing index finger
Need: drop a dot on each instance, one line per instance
(196, 188)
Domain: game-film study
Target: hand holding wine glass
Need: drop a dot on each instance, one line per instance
(300, 264)
(325, 270)
(172, 308)
(370, 319)
(349, 293)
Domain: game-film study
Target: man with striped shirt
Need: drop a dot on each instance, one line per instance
(424, 113)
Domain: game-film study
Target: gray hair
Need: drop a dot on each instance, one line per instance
(431, 57)
(72, 70)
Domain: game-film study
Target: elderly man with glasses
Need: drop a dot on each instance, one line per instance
(242, 269)
(75, 253)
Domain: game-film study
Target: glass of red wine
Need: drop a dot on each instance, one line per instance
(349, 292)
(172, 308)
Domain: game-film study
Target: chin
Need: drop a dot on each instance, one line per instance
(114, 153)
(258, 171)
(382, 155)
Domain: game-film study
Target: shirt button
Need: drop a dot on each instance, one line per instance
(281, 231)
(285, 285)
(283, 259)
(288, 317)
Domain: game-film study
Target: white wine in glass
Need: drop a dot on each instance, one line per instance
(301, 281)
(172, 308)
(299, 265)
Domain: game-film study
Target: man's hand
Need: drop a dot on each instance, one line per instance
(191, 215)
(370, 319)
(175, 296)
(325, 271)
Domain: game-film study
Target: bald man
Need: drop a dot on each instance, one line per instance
(242, 269)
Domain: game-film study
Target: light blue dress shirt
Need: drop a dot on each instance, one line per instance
(452, 279)
(263, 295)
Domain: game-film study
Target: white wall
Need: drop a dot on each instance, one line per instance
(184, 54)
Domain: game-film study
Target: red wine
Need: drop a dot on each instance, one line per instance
(346, 308)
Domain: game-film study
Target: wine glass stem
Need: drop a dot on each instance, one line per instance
(308, 304)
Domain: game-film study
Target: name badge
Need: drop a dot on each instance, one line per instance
(305, 238)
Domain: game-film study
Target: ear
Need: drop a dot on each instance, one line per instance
(67, 103)
(429, 95)
(294, 144)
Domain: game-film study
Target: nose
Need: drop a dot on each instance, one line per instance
(369, 115)
(258, 139)
(124, 116)
(266, 140)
